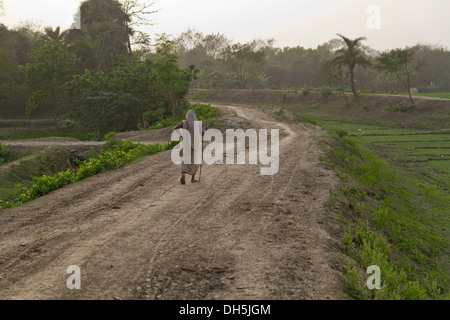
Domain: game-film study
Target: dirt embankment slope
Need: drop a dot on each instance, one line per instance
(136, 233)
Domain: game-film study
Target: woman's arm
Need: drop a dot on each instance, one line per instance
(180, 126)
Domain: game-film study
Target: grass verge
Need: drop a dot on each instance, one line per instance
(392, 218)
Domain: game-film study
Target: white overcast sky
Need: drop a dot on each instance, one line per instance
(307, 23)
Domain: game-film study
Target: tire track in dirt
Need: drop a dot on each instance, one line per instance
(136, 233)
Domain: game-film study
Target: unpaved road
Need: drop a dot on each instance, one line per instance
(137, 233)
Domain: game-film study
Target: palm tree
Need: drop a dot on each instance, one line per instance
(54, 35)
(107, 20)
(86, 51)
(350, 57)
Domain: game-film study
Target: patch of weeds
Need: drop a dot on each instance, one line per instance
(280, 112)
(309, 120)
(325, 91)
(6, 155)
(109, 136)
(403, 108)
(53, 161)
(306, 91)
(341, 133)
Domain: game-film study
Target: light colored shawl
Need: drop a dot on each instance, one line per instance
(189, 125)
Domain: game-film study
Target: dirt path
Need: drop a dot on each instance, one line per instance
(136, 233)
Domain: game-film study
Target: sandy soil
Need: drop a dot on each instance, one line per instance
(137, 233)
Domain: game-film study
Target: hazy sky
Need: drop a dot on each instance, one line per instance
(307, 23)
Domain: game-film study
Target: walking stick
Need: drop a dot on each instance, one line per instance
(201, 166)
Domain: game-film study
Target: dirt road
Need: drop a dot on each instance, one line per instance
(137, 233)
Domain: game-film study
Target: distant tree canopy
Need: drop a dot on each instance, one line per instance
(88, 75)
(102, 42)
(118, 100)
(400, 65)
(45, 76)
(293, 67)
(45, 70)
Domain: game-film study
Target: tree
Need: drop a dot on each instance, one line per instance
(436, 75)
(86, 51)
(400, 64)
(118, 22)
(104, 28)
(54, 35)
(173, 81)
(189, 40)
(46, 75)
(7, 69)
(121, 99)
(215, 43)
(351, 56)
(138, 12)
(15, 44)
(243, 59)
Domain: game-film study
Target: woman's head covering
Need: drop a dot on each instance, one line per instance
(191, 117)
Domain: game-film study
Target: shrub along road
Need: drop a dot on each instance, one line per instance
(137, 233)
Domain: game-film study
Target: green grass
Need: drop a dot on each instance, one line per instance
(394, 208)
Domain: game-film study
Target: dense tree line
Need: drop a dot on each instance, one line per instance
(108, 75)
(92, 75)
(259, 64)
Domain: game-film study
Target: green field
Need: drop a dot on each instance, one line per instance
(396, 181)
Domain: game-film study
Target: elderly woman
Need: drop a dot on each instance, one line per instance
(188, 124)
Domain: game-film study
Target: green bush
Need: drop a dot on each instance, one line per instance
(127, 96)
(306, 91)
(205, 111)
(325, 91)
(341, 133)
(402, 108)
(109, 136)
(5, 155)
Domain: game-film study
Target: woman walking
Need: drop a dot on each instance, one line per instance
(189, 125)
